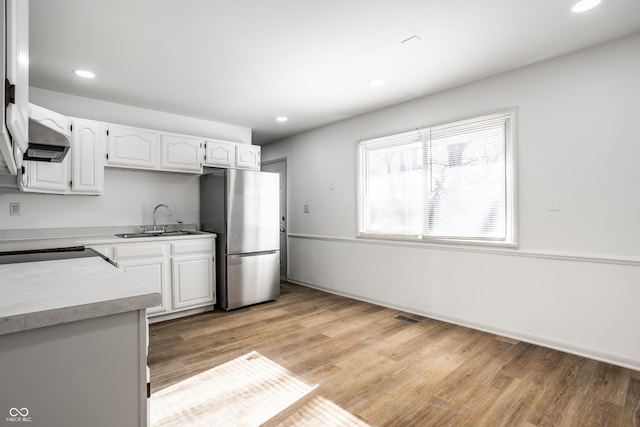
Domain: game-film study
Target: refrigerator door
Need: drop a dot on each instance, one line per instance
(252, 279)
(252, 211)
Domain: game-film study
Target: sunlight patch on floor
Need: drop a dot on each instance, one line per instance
(322, 412)
(246, 391)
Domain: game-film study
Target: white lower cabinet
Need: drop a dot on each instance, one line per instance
(182, 271)
(192, 276)
(192, 268)
(152, 272)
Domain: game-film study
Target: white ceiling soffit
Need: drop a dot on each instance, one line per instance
(246, 62)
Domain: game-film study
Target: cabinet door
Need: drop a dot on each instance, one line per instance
(131, 147)
(181, 153)
(248, 156)
(51, 119)
(193, 281)
(220, 153)
(17, 69)
(44, 177)
(153, 273)
(87, 151)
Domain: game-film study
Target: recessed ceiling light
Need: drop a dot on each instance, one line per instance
(84, 74)
(377, 83)
(584, 5)
(282, 119)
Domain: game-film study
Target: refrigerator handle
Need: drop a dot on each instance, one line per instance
(251, 254)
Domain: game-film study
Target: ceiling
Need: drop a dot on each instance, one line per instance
(245, 62)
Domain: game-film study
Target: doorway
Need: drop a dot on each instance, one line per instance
(280, 167)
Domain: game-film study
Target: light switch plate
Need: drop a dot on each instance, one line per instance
(15, 209)
(305, 208)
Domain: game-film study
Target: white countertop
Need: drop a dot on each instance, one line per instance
(27, 244)
(45, 293)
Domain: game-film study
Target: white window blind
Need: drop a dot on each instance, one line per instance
(448, 182)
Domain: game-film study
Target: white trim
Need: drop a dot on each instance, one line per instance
(567, 347)
(633, 261)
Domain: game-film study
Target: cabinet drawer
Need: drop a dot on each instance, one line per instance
(192, 246)
(138, 251)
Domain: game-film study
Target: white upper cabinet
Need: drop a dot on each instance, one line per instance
(248, 156)
(225, 154)
(46, 177)
(130, 147)
(17, 69)
(87, 156)
(50, 119)
(181, 153)
(82, 170)
(220, 153)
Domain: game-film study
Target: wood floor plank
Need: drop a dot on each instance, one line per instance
(631, 411)
(567, 382)
(390, 372)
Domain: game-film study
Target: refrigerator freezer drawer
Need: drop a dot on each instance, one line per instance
(252, 278)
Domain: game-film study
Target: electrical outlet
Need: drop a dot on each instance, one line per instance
(305, 208)
(15, 209)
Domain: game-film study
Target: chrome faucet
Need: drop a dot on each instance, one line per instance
(155, 212)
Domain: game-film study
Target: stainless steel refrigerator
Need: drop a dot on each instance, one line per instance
(242, 208)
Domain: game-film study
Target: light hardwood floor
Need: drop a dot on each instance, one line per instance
(390, 372)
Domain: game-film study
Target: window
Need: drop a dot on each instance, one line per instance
(453, 182)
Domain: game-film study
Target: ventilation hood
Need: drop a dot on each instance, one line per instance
(46, 144)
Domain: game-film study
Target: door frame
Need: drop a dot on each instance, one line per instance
(286, 215)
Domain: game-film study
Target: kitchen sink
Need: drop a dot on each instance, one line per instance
(156, 234)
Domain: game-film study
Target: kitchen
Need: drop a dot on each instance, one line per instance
(576, 252)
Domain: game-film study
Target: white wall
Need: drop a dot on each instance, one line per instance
(129, 198)
(574, 282)
(130, 195)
